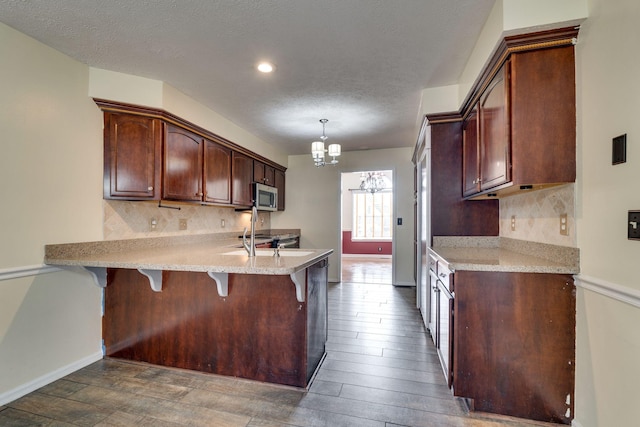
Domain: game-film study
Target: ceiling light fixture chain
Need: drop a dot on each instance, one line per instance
(317, 149)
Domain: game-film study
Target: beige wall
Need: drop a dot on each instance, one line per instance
(608, 67)
(315, 208)
(50, 183)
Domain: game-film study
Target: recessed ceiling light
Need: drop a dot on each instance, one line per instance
(265, 67)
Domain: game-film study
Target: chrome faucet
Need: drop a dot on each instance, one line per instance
(251, 246)
(276, 250)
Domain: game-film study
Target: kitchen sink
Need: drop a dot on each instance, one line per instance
(269, 252)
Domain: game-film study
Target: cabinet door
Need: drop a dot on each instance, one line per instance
(182, 178)
(132, 147)
(434, 307)
(445, 331)
(258, 171)
(264, 174)
(514, 336)
(242, 172)
(269, 175)
(495, 141)
(217, 173)
(471, 154)
(280, 184)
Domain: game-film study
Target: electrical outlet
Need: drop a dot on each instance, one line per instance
(222, 224)
(634, 225)
(564, 226)
(182, 224)
(513, 223)
(153, 224)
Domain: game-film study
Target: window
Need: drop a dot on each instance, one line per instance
(372, 215)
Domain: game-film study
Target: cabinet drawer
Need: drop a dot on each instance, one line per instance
(433, 263)
(445, 275)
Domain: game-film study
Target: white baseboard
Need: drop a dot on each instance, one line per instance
(407, 284)
(48, 378)
(366, 256)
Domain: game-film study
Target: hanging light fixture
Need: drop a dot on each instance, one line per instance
(372, 181)
(318, 151)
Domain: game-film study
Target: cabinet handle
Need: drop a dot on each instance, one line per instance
(149, 188)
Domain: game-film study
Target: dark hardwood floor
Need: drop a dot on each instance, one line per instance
(381, 370)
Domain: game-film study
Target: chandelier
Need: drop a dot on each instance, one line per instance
(317, 149)
(372, 181)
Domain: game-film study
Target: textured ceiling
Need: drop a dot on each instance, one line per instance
(362, 64)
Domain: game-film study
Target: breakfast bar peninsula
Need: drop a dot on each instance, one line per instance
(201, 303)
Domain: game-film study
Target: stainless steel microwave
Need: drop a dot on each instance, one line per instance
(265, 197)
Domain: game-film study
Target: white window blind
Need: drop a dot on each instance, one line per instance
(372, 215)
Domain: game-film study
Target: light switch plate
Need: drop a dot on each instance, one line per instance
(633, 224)
(619, 150)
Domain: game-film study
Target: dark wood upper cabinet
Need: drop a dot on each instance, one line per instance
(543, 116)
(150, 154)
(451, 215)
(182, 179)
(132, 157)
(280, 184)
(263, 173)
(217, 173)
(495, 137)
(471, 153)
(242, 173)
(526, 125)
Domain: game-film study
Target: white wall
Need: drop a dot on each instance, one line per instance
(349, 180)
(608, 348)
(313, 204)
(50, 184)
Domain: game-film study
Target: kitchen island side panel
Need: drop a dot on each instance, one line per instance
(317, 314)
(257, 332)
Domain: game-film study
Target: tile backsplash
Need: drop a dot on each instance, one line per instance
(537, 215)
(129, 220)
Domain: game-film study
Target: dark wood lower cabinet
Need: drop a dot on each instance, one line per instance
(514, 343)
(259, 331)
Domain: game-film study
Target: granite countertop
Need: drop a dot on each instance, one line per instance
(201, 253)
(505, 255)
